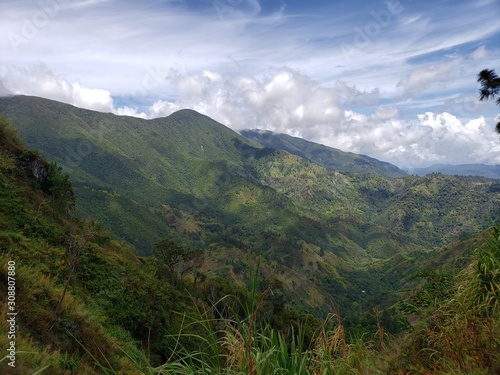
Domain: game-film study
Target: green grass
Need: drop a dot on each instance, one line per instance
(115, 310)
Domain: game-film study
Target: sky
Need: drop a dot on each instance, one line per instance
(395, 80)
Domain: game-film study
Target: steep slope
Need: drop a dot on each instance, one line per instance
(83, 303)
(86, 304)
(325, 156)
(60, 269)
(191, 179)
(129, 166)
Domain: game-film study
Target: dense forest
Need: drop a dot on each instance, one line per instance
(88, 304)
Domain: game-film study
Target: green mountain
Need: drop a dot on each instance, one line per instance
(484, 170)
(80, 303)
(322, 234)
(325, 156)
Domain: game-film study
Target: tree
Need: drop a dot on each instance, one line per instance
(179, 259)
(490, 87)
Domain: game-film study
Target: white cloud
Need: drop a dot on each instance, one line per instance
(127, 111)
(39, 80)
(162, 108)
(422, 79)
(283, 100)
(288, 101)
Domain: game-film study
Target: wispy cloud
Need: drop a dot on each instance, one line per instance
(374, 79)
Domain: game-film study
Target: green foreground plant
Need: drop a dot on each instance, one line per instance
(458, 333)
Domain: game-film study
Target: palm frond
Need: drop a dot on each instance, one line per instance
(490, 85)
(488, 78)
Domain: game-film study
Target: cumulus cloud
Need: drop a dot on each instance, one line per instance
(289, 101)
(283, 100)
(430, 138)
(39, 80)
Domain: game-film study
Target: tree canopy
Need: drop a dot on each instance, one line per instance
(490, 87)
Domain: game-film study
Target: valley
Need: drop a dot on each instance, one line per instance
(332, 232)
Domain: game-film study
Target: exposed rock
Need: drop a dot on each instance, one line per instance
(34, 167)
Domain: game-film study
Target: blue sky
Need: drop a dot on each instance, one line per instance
(394, 79)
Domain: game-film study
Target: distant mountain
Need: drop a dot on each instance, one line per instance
(321, 233)
(484, 170)
(325, 156)
(77, 288)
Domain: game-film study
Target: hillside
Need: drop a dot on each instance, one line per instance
(86, 304)
(192, 180)
(324, 156)
(61, 269)
(484, 170)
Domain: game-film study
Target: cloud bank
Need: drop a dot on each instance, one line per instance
(288, 101)
(391, 79)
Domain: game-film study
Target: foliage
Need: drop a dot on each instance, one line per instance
(324, 156)
(490, 87)
(177, 258)
(190, 180)
(458, 325)
(90, 304)
(57, 185)
(9, 140)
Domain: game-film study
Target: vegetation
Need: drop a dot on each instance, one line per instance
(325, 236)
(324, 156)
(490, 87)
(88, 304)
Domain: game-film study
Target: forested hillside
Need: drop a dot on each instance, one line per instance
(187, 179)
(87, 304)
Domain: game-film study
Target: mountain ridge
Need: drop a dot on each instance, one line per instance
(190, 179)
(325, 156)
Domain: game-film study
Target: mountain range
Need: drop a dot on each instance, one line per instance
(328, 225)
(348, 162)
(80, 302)
(485, 170)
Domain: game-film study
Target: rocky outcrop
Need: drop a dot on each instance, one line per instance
(34, 167)
(38, 169)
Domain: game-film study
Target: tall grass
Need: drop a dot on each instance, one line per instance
(231, 344)
(460, 335)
